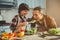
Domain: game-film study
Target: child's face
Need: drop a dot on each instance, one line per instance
(24, 12)
(36, 14)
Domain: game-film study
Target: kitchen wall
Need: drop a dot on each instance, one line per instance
(53, 9)
(9, 14)
(33, 3)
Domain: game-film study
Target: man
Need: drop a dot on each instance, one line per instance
(44, 22)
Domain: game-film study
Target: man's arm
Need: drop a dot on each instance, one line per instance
(52, 22)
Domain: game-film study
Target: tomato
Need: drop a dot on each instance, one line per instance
(15, 34)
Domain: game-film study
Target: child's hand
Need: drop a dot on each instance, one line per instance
(25, 23)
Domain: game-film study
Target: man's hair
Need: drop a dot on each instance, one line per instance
(37, 8)
(23, 6)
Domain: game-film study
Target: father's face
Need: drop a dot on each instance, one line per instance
(36, 14)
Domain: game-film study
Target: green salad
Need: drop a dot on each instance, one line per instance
(54, 31)
(33, 21)
(32, 31)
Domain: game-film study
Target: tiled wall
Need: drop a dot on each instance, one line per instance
(9, 14)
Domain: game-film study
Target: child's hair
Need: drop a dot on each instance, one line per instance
(23, 6)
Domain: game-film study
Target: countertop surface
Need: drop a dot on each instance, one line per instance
(4, 24)
(36, 37)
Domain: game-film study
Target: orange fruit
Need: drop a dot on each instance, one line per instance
(21, 34)
(10, 35)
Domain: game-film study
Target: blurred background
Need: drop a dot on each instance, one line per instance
(9, 8)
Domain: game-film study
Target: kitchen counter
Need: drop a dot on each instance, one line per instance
(5, 24)
(36, 37)
(32, 37)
